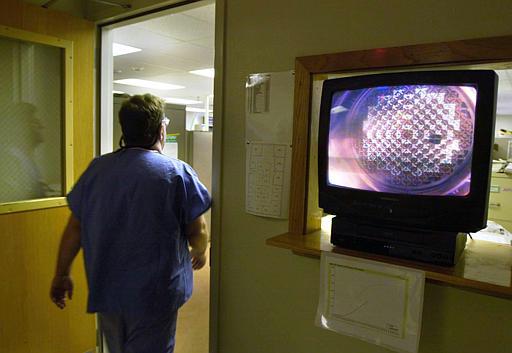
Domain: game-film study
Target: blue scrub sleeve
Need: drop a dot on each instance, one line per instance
(197, 199)
(75, 198)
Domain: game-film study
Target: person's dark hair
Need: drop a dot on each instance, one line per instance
(140, 118)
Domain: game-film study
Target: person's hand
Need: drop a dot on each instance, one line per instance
(62, 286)
(198, 259)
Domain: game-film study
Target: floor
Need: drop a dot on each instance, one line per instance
(193, 318)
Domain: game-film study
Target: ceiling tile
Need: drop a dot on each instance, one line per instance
(142, 38)
(208, 42)
(180, 27)
(126, 70)
(171, 46)
(204, 13)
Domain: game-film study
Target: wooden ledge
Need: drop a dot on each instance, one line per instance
(485, 267)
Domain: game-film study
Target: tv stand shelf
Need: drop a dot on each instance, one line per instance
(484, 266)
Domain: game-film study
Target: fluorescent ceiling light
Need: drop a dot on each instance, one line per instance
(181, 101)
(147, 84)
(121, 49)
(195, 110)
(117, 92)
(204, 72)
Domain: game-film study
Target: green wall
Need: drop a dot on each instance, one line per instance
(268, 296)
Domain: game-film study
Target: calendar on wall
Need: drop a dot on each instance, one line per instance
(269, 125)
(268, 179)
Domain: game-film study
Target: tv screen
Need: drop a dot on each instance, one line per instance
(408, 149)
(406, 139)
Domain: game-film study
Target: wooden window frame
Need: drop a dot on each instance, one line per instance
(67, 119)
(495, 50)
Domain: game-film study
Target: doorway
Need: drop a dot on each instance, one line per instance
(168, 53)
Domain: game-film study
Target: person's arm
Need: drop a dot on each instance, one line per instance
(197, 235)
(62, 283)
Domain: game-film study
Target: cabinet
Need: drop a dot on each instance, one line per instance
(177, 127)
(500, 200)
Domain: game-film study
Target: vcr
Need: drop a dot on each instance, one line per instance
(440, 248)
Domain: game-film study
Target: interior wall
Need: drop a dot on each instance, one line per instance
(268, 296)
(29, 321)
(503, 122)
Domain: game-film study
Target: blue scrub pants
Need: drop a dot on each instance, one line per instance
(126, 333)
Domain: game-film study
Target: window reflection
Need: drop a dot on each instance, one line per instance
(30, 121)
(21, 134)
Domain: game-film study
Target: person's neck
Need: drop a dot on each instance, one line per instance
(157, 147)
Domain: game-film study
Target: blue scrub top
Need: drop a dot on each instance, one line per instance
(133, 206)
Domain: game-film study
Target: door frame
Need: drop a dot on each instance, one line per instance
(104, 125)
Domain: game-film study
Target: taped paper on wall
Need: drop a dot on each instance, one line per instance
(268, 179)
(269, 107)
(376, 302)
(269, 126)
(258, 93)
(171, 148)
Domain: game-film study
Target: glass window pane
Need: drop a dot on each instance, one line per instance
(31, 152)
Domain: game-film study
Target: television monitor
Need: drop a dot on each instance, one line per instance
(405, 157)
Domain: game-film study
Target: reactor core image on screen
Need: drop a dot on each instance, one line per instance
(415, 139)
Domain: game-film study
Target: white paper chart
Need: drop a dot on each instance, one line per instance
(268, 179)
(372, 300)
(376, 302)
(268, 133)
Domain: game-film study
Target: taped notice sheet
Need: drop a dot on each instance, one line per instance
(267, 190)
(375, 302)
(269, 107)
(268, 134)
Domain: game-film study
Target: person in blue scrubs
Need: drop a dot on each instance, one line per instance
(138, 216)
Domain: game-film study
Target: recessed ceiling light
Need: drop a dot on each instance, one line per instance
(121, 49)
(195, 110)
(204, 72)
(147, 84)
(181, 101)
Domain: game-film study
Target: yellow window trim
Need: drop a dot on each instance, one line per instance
(67, 101)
